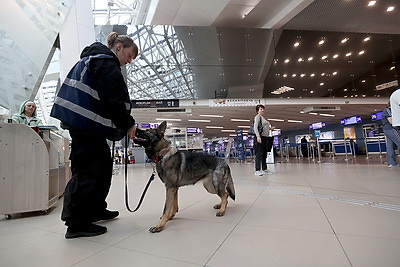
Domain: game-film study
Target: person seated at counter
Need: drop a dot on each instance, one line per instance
(27, 115)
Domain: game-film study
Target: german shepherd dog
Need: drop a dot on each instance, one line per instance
(179, 168)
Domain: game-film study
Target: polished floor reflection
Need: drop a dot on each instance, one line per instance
(306, 214)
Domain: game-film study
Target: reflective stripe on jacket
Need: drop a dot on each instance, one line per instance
(78, 105)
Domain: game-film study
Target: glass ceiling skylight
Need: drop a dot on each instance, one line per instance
(162, 69)
(115, 12)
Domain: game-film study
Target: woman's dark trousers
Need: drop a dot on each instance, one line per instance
(91, 166)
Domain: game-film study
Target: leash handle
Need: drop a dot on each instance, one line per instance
(126, 181)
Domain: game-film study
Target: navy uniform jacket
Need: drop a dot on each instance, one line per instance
(94, 97)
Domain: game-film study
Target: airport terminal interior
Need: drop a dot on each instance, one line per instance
(323, 69)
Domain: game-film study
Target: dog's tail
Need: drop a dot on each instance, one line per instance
(230, 186)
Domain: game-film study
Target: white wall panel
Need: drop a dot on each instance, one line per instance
(28, 30)
(77, 32)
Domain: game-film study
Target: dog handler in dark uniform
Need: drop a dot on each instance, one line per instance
(93, 104)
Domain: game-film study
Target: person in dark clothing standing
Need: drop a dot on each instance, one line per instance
(262, 142)
(93, 104)
(304, 146)
(392, 137)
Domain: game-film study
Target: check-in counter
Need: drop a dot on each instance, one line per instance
(375, 145)
(29, 169)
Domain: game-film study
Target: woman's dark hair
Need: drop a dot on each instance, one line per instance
(259, 106)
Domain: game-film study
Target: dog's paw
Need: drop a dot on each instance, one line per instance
(220, 213)
(217, 206)
(156, 229)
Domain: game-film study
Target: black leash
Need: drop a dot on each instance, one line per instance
(126, 181)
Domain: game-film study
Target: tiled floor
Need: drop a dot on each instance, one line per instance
(306, 214)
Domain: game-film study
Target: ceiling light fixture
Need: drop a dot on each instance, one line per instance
(313, 113)
(166, 119)
(321, 42)
(311, 92)
(200, 120)
(212, 116)
(324, 57)
(390, 9)
(321, 84)
(287, 60)
(240, 120)
(361, 52)
(366, 39)
(295, 121)
(327, 115)
(214, 127)
(310, 58)
(334, 73)
(228, 131)
(275, 119)
(371, 3)
(312, 74)
(296, 44)
(282, 89)
(243, 126)
(344, 40)
(335, 56)
(348, 54)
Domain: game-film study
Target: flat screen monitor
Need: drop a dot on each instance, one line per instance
(327, 135)
(351, 120)
(276, 132)
(276, 141)
(376, 116)
(317, 125)
(349, 132)
(194, 130)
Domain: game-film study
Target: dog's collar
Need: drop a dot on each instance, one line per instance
(161, 154)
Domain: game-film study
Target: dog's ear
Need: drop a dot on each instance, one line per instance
(162, 127)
